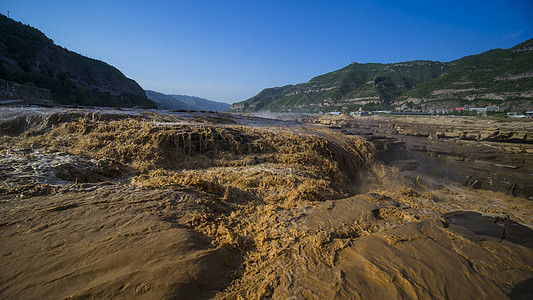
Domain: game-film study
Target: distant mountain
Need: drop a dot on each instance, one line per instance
(201, 104)
(500, 77)
(349, 87)
(28, 57)
(166, 101)
(179, 102)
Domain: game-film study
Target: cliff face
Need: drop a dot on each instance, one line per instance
(497, 77)
(28, 56)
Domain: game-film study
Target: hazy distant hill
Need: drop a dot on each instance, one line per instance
(27, 56)
(201, 104)
(176, 102)
(503, 77)
(166, 101)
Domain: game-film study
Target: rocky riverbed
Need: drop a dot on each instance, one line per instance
(165, 205)
(487, 153)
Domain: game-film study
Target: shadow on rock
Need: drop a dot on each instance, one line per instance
(477, 227)
(523, 290)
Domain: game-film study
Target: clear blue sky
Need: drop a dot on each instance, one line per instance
(229, 50)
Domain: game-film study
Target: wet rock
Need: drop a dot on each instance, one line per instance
(529, 137)
(470, 136)
(478, 226)
(452, 134)
(519, 136)
(488, 135)
(476, 223)
(384, 201)
(523, 290)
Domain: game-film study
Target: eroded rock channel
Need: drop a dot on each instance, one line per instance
(487, 154)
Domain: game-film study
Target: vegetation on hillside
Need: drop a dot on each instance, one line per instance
(494, 71)
(28, 57)
(496, 77)
(379, 84)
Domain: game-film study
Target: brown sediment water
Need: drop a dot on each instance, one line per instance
(155, 204)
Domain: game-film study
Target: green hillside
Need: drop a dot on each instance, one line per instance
(350, 87)
(501, 76)
(28, 57)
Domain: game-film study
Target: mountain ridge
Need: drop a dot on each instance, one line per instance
(498, 76)
(184, 102)
(28, 56)
(198, 103)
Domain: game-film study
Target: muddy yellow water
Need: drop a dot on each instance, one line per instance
(184, 206)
